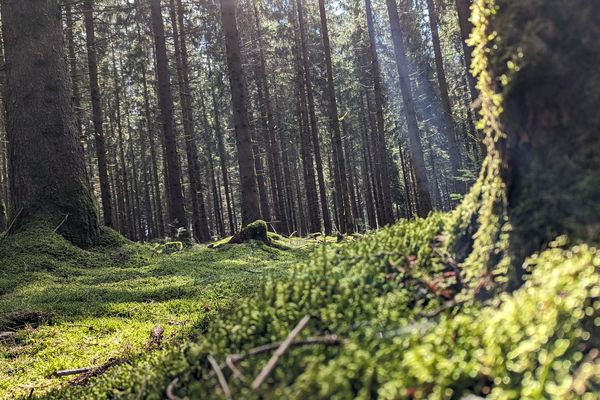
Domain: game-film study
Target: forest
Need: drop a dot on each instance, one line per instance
(300, 199)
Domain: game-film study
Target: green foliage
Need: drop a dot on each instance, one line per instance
(74, 308)
(533, 344)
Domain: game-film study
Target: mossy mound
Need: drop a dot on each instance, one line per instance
(404, 331)
(256, 230)
(62, 307)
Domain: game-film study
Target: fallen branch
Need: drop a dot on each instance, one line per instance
(169, 391)
(222, 381)
(67, 372)
(10, 226)
(279, 352)
(62, 222)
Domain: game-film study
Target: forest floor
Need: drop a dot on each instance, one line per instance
(389, 315)
(65, 308)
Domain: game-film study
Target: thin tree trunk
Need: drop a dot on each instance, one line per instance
(310, 186)
(199, 217)
(97, 117)
(273, 142)
(313, 120)
(422, 182)
(249, 189)
(339, 161)
(450, 131)
(177, 214)
(386, 194)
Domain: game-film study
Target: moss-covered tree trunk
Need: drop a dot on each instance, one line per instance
(538, 74)
(551, 119)
(48, 179)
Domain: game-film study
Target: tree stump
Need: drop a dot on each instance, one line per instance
(257, 230)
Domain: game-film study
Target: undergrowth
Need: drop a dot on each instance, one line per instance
(71, 308)
(381, 296)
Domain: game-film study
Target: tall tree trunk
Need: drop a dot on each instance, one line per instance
(379, 101)
(273, 139)
(97, 117)
(450, 131)
(422, 182)
(47, 165)
(177, 214)
(249, 189)
(547, 146)
(465, 26)
(339, 161)
(72, 57)
(313, 119)
(199, 217)
(129, 230)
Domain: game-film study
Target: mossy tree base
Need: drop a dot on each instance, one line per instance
(257, 230)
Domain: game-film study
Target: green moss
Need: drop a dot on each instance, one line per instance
(533, 343)
(76, 308)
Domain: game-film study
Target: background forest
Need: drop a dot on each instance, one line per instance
(302, 148)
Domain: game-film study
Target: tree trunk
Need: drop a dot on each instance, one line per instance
(313, 119)
(339, 161)
(422, 182)
(199, 218)
(450, 126)
(47, 165)
(249, 189)
(549, 150)
(464, 13)
(386, 195)
(177, 214)
(97, 117)
(273, 139)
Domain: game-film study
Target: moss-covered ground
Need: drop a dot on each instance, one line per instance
(406, 326)
(72, 308)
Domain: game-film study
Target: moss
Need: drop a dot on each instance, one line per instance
(75, 308)
(256, 230)
(533, 343)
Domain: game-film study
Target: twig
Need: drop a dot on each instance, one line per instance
(446, 306)
(280, 352)
(62, 222)
(222, 381)
(229, 361)
(232, 359)
(169, 391)
(5, 234)
(67, 372)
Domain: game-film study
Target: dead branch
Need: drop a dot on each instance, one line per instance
(279, 352)
(67, 215)
(67, 372)
(222, 381)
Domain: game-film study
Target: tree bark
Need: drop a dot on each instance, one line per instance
(47, 165)
(249, 189)
(549, 150)
(273, 139)
(177, 214)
